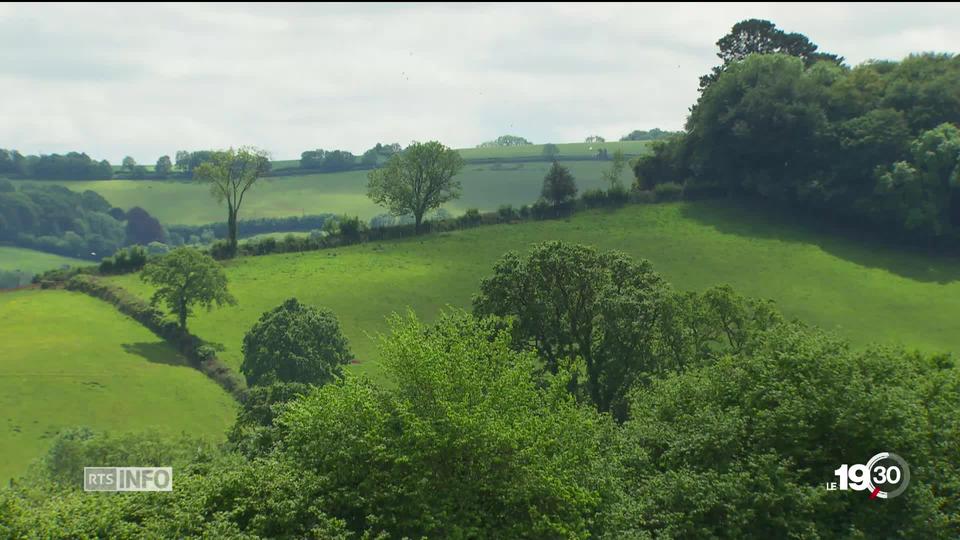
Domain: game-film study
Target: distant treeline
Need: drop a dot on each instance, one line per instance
(877, 144)
(70, 166)
(248, 227)
(652, 135)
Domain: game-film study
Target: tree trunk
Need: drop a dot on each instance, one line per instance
(232, 230)
(182, 315)
(418, 216)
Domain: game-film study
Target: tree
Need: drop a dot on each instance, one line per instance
(231, 174)
(612, 175)
(129, 164)
(741, 448)
(559, 187)
(505, 140)
(757, 36)
(185, 278)
(417, 180)
(295, 343)
(164, 167)
(551, 150)
(183, 160)
(462, 442)
(139, 172)
(595, 139)
(142, 228)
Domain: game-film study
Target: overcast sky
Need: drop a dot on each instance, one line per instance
(147, 80)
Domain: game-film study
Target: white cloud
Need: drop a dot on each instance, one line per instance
(148, 79)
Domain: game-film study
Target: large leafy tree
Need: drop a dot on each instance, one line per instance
(417, 180)
(295, 343)
(617, 316)
(185, 278)
(757, 36)
(462, 442)
(742, 448)
(231, 174)
(164, 166)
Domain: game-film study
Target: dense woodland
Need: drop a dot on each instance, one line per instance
(877, 144)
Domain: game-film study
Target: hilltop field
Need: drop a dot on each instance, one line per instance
(181, 202)
(865, 293)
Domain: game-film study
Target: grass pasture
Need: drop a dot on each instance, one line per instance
(864, 292)
(33, 261)
(67, 359)
(485, 187)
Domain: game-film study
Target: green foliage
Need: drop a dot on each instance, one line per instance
(853, 144)
(55, 219)
(743, 448)
(757, 36)
(571, 303)
(164, 167)
(295, 343)
(667, 192)
(230, 175)
(334, 160)
(494, 453)
(550, 150)
(652, 135)
(559, 186)
(505, 140)
(612, 175)
(184, 278)
(124, 261)
(416, 180)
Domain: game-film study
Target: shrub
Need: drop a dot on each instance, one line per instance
(669, 191)
(639, 196)
(221, 250)
(593, 198)
(470, 217)
(506, 213)
(126, 260)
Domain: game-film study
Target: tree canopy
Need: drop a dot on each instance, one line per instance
(417, 180)
(295, 343)
(185, 278)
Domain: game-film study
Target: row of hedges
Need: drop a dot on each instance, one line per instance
(201, 356)
(359, 233)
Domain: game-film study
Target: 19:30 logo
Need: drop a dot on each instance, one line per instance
(885, 476)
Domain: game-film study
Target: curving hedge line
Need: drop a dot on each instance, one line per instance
(200, 355)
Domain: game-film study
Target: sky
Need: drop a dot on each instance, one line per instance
(147, 80)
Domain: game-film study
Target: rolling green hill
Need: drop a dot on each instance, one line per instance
(864, 292)
(186, 203)
(32, 261)
(67, 360)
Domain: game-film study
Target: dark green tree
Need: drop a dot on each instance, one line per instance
(295, 343)
(559, 187)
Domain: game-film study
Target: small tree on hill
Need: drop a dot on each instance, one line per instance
(559, 186)
(129, 164)
(295, 343)
(184, 278)
(550, 150)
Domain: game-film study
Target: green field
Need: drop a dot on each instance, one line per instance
(566, 150)
(186, 203)
(864, 292)
(32, 261)
(67, 359)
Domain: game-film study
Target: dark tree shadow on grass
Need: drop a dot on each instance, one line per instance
(156, 352)
(851, 243)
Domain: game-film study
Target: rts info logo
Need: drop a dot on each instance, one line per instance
(885, 476)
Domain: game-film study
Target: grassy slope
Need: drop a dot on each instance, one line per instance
(864, 292)
(67, 359)
(32, 261)
(180, 202)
